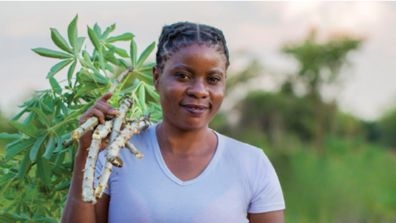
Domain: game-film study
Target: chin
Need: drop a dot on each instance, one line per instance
(190, 126)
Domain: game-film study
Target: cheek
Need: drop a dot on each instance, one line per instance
(169, 93)
(218, 95)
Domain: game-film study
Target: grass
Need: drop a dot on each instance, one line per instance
(351, 182)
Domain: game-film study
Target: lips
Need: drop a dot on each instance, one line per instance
(195, 108)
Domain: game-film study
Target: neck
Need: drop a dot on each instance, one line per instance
(185, 142)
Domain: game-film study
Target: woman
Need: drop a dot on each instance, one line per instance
(190, 173)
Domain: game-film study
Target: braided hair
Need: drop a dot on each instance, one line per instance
(182, 34)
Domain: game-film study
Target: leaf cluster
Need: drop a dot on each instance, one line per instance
(37, 163)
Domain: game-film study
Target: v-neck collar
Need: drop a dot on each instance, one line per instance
(168, 172)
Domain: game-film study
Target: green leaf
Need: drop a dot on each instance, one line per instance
(152, 92)
(145, 54)
(80, 41)
(94, 38)
(70, 72)
(36, 148)
(121, 52)
(63, 185)
(55, 86)
(145, 77)
(46, 104)
(87, 62)
(57, 67)
(24, 166)
(142, 93)
(123, 63)
(100, 79)
(44, 170)
(19, 114)
(51, 53)
(14, 148)
(122, 37)
(49, 148)
(58, 39)
(41, 116)
(97, 29)
(102, 62)
(9, 136)
(6, 217)
(118, 51)
(133, 52)
(72, 34)
(108, 31)
(60, 156)
(28, 129)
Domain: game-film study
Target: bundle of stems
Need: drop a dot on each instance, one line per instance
(118, 138)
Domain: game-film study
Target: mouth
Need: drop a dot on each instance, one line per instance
(194, 108)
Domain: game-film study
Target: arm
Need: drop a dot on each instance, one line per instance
(76, 210)
(269, 217)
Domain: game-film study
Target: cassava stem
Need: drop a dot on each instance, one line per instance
(132, 128)
(85, 127)
(98, 135)
(120, 78)
(100, 132)
(126, 104)
(132, 148)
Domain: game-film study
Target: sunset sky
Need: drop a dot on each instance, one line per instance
(259, 28)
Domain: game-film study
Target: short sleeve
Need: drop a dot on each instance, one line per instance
(267, 191)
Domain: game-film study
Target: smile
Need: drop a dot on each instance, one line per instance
(195, 109)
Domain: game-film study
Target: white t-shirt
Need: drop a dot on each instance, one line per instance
(238, 180)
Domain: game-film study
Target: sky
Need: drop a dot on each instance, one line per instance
(259, 29)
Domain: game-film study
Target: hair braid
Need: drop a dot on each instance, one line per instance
(181, 34)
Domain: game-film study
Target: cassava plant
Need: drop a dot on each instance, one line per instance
(38, 162)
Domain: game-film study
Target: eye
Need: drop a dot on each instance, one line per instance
(182, 76)
(214, 79)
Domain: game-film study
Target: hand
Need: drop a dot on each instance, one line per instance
(103, 111)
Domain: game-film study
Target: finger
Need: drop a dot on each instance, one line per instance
(106, 97)
(99, 114)
(101, 109)
(108, 110)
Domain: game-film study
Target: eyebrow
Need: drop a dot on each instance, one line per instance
(189, 69)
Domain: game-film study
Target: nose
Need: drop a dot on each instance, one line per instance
(198, 89)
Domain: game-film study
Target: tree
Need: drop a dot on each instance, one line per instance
(320, 65)
(38, 161)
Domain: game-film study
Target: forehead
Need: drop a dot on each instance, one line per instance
(197, 51)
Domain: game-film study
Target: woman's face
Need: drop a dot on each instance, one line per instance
(191, 86)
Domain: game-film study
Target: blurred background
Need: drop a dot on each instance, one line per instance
(312, 83)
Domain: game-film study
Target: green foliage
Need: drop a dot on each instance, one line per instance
(351, 180)
(37, 165)
(354, 182)
(387, 128)
(320, 63)
(277, 115)
(5, 127)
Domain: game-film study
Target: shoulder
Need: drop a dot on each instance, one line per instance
(247, 156)
(239, 148)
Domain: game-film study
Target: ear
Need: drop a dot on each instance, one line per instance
(156, 74)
